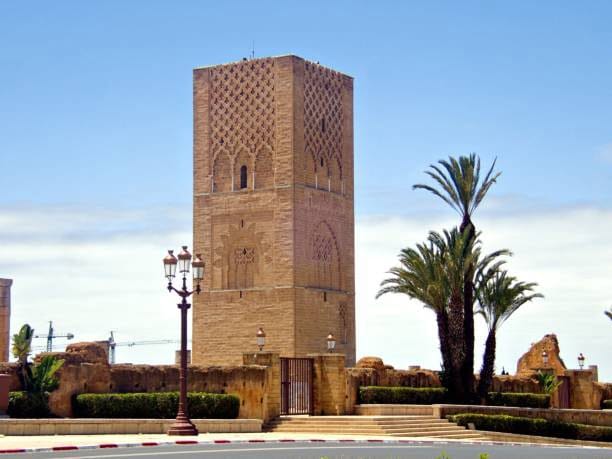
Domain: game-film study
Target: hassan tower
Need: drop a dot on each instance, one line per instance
(273, 209)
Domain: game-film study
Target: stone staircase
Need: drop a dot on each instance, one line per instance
(396, 426)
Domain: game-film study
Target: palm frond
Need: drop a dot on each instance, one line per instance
(501, 295)
(459, 182)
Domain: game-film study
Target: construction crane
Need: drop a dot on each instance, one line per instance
(50, 336)
(112, 344)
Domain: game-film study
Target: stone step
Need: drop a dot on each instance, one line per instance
(431, 433)
(436, 426)
(332, 432)
(451, 436)
(341, 421)
(396, 426)
(373, 423)
(415, 422)
(325, 427)
(353, 417)
(339, 427)
(449, 428)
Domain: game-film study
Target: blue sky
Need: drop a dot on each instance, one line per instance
(97, 99)
(96, 121)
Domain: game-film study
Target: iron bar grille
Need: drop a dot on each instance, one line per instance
(296, 386)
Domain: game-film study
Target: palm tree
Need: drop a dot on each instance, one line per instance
(609, 313)
(421, 276)
(22, 347)
(499, 296)
(459, 185)
(433, 274)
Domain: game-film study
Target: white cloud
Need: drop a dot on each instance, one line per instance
(91, 271)
(568, 252)
(605, 153)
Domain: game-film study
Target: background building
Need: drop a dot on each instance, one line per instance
(5, 319)
(273, 208)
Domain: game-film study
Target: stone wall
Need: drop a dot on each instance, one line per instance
(372, 371)
(590, 417)
(584, 391)
(329, 384)
(86, 370)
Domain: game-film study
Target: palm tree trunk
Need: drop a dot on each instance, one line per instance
(456, 342)
(467, 371)
(488, 366)
(449, 380)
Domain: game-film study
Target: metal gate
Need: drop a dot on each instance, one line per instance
(296, 386)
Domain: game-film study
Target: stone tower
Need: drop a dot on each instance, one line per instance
(5, 318)
(273, 209)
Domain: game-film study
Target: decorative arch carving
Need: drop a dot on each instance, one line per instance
(222, 171)
(264, 168)
(325, 258)
(242, 158)
(241, 256)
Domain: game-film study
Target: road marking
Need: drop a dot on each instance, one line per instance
(246, 450)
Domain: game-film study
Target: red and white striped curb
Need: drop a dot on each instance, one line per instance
(261, 440)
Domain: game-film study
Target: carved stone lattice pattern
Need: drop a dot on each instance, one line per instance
(244, 256)
(242, 110)
(342, 318)
(322, 249)
(323, 115)
(325, 256)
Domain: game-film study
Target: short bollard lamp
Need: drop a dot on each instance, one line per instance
(331, 343)
(261, 338)
(581, 361)
(545, 358)
(182, 424)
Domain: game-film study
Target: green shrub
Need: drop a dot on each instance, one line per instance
(402, 395)
(523, 400)
(155, 405)
(534, 426)
(28, 405)
(606, 404)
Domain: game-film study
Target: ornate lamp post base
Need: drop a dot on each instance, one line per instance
(182, 426)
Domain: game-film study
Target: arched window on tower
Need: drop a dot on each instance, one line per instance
(243, 177)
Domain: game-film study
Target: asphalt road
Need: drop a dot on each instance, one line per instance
(327, 451)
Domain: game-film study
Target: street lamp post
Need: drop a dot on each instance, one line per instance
(545, 359)
(331, 343)
(182, 424)
(261, 338)
(581, 359)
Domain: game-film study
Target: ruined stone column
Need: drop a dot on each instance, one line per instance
(5, 318)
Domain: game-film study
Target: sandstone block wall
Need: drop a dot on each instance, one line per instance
(584, 393)
(329, 384)
(5, 319)
(86, 370)
(273, 209)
